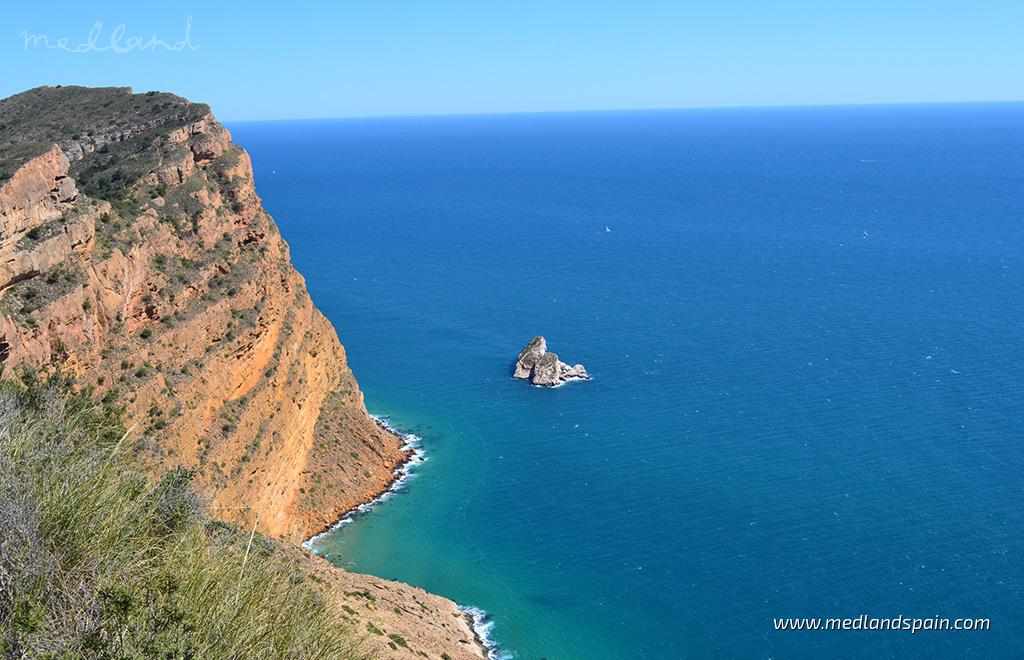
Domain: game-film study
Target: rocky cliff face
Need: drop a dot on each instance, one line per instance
(135, 254)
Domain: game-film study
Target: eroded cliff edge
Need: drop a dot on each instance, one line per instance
(136, 256)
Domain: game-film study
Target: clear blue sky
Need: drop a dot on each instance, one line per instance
(260, 60)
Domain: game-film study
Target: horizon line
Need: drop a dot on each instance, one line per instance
(500, 113)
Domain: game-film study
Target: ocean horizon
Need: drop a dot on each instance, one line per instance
(802, 325)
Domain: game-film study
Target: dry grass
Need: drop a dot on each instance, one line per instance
(96, 560)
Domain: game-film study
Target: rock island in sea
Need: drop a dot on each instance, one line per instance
(543, 368)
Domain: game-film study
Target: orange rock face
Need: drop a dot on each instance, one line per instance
(178, 301)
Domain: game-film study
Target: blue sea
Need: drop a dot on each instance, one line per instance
(805, 328)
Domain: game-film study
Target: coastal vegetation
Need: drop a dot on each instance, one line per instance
(98, 559)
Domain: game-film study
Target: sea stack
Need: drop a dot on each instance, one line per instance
(540, 367)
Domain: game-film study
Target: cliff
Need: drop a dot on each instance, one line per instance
(136, 256)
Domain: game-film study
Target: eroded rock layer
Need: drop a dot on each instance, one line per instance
(136, 255)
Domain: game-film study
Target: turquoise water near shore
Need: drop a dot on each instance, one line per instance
(805, 331)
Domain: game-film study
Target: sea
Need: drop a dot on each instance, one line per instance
(805, 328)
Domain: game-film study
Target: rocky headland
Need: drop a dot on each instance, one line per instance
(541, 367)
(136, 256)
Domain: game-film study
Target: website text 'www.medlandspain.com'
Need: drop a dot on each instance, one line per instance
(899, 623)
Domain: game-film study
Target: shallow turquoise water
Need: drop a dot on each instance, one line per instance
(804, 328)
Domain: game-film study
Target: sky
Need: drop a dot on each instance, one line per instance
(286, 60)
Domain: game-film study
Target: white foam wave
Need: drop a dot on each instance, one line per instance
(482, 624)
(403, 473)
(571, 379)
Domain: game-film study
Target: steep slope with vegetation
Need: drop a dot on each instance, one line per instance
(136, 258)
(99, 559)
(135, 254)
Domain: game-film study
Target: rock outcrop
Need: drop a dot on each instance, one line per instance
(542, 368)
(528, 357)
(136, 256)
